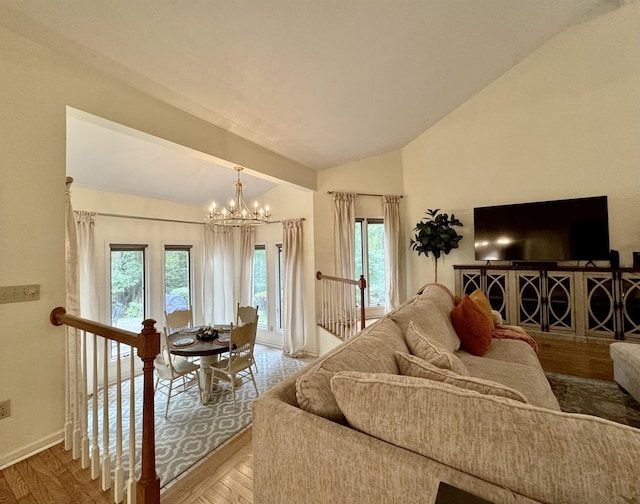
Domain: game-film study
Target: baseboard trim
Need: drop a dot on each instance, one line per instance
(31, 449)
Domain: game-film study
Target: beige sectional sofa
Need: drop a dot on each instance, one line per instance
(401, 407)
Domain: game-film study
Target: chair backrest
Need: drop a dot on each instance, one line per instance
(178, 320)
(246, 315)
(164, 357)
(241, 344)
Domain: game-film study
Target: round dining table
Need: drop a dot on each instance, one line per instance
(186, 344)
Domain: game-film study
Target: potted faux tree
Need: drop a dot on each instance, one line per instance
(435, 234)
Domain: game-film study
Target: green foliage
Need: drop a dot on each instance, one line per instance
(260, 283)
(177, 272)
(436, 234)
(134, 310)
(182, 292)
(126, 276)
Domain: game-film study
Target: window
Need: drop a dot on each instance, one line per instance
(260, 283)
(370, 259)
(127, 290)
(177, 277)
(279, 288)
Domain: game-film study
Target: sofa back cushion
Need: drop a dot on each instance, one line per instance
(372, 350)
(497, 439)
(410, 365)
(430, 320)
(426, 349)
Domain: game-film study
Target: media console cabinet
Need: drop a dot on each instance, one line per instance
(580, 303)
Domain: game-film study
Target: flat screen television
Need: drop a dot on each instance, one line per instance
(562, 230)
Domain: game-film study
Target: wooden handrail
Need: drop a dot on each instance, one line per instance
(147, 344)
(361, 283)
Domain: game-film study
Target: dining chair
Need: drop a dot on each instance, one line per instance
(178, 320)
(238, 365)
(246, 315)
(170, 368)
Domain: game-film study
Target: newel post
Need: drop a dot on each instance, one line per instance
(148, 486)
(362, 283)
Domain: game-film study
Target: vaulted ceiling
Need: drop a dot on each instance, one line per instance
(323, 82)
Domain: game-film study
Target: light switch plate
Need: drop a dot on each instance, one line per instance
(18, 293)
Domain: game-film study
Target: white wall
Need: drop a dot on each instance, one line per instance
(564, 123)
(36, 86)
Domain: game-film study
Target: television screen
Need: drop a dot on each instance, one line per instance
(562, 230)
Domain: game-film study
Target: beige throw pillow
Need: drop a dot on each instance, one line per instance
(421, 346)
(410, 365)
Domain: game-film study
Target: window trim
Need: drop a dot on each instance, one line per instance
(186, 247)
(372, 310)
(128, 247)
(262, 324)
(279, 287)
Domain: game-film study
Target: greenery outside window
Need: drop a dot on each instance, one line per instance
(128, 290)
(369, 247)
(279, 288)
(177, 277)
(260, 283)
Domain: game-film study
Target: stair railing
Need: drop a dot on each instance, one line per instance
(339, 309)
(81, 332)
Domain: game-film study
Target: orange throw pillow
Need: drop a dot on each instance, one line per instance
(481, 301)
(472, 326)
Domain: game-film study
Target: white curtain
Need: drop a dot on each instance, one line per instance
(344, 246)
(85, 223)
(293, 292)
(73, 346)
(247, 246)
(344, 236)
(391, 250)
(218, 295)
(71, 256)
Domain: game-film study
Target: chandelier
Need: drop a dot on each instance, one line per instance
(238, 214)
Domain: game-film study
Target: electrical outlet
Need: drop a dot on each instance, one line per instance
(18, 293)
(5, 409)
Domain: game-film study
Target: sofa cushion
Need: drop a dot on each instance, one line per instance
(371, 350)
(508, 350)
(473, 328)
(530, 381)
(410, 365)
(422, 346)
(429, 320)
(481, 301)
(510, 444)
(440, 295)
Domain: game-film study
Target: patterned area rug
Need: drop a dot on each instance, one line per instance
(193, 430)
(595, 397)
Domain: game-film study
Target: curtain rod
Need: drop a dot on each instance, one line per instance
(121, 216)
(369, 194)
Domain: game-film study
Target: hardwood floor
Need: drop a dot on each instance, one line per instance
(50, 477)
(53, 477)
(226, 476)
(590, 360)
(223, 477)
